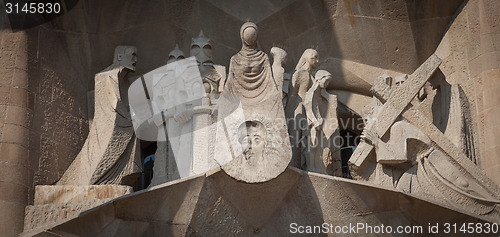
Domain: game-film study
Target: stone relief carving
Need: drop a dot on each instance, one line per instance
(251, 94)
(409, 160)
(323, 155)
(406, 158)
(177, 97)
(280, 57)
(253, 139)
(110, 154)
(297, 121)
(189, 123)
(165, 167)
(175, 55)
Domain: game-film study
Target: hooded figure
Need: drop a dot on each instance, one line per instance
(250, 76)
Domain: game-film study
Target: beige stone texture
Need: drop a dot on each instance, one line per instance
(396, 36)
(15, 122)
(56, 204)
(14, 154)
(55, 214)
(11, 218)
(51, 194)
(72, 48)
(110, 154)
(218, 205)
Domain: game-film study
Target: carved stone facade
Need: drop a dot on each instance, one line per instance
(247, 143)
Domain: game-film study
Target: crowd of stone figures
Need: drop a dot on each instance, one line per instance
(256, 120)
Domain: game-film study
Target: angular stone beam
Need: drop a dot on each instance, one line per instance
(396, 104)
(417, 118)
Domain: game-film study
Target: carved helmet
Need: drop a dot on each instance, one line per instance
(201, 48)
(175, 54)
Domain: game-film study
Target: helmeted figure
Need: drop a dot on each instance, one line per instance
(110, 154)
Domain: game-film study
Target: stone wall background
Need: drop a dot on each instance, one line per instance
(471, 53)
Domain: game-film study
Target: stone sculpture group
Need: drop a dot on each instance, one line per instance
(257, 122)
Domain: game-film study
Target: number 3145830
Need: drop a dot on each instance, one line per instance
(32, 7)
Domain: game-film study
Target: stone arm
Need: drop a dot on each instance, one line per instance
(188, 115)
(267, 64)
(181, 117)
(298, 79)
(230, 76)
(311, 106)
(392, 152)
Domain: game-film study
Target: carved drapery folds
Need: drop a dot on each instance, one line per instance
(251, 128)
(110, 154)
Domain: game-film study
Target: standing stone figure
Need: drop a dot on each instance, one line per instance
(189, 124)
(322, 154)
(280, 57)
(250, 74)
(295, 112)
(110, 154)
(203, 120)
(165, 167)
(252, 89)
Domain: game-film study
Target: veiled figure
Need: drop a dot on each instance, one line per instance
(322, 154)
(251, 103)
(250, 75)
(295, 112)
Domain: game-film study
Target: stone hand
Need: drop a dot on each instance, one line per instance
(369, 136)
(182, 117)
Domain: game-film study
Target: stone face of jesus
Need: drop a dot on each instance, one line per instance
(253, 139)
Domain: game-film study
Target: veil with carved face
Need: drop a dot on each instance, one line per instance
(250, 76)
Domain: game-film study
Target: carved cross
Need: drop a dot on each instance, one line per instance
(396, 104)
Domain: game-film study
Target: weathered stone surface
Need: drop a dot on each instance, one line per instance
(55, 214)
(323, 154)
(254, 145)
(52, 194)
(219, 205)
(396, 104)
(183, 98)
(383, 35)
(110, 154)
(407, 160)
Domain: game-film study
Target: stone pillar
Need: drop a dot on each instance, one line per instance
(16, 175)
(484, 63)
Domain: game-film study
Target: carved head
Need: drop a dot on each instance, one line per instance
(248, 33)
(279, 55)
(323, 77)
(201, 48)
(125, 56)
(252, 137)
(309, 60)
(175, 55)
(400, 79)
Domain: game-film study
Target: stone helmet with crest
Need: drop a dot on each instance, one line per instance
(201, 48)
